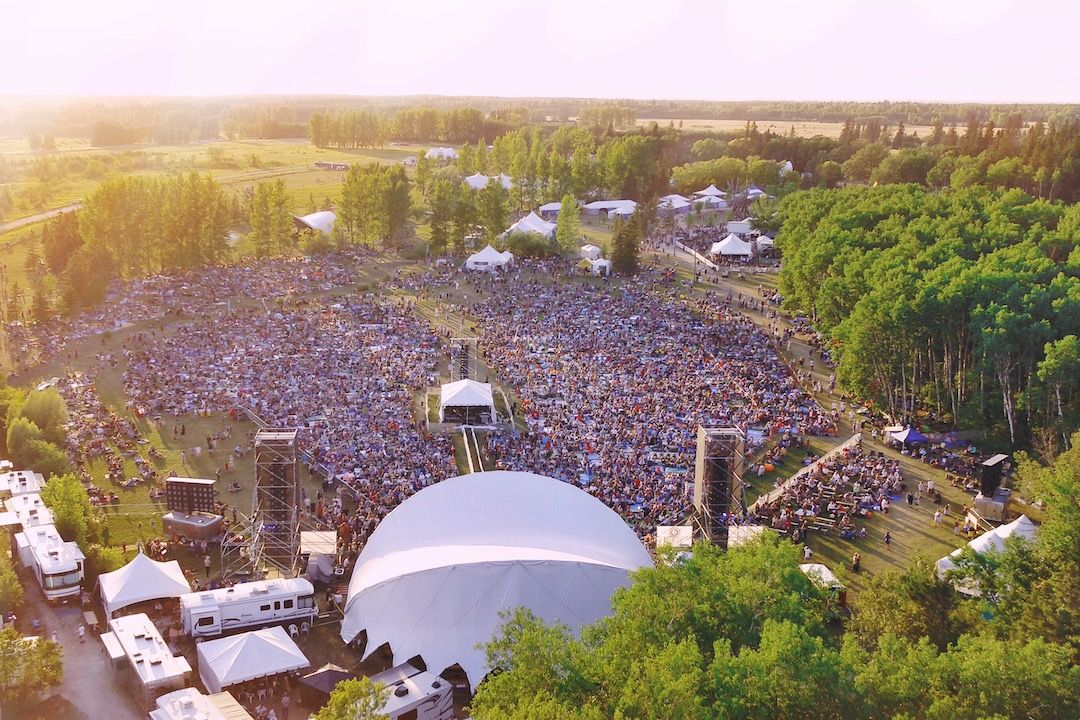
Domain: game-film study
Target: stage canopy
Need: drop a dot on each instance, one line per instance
(140, 580)
(322, 221)
(731, 245)
(248, 656)
(711, 191)
(435, 575)
(992, 541)
(466, 401)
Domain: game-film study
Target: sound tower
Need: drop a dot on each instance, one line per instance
(718, 481)
(990, 472)
(276, 512)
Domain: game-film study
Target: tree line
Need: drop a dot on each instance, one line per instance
(744, 634)
(369, 128)
(965, 303)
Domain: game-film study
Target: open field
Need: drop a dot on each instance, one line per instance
(779, 127)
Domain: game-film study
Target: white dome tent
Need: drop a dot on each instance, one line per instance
(532, 223)
(437, 572)
(992, 541)
(466, 401)
(322, 221)
(488, 259)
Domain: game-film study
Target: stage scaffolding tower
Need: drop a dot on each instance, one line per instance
(718, 484)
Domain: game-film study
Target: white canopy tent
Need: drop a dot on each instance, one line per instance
(992, 541)
(435, 575)
(140, 580)
(532, 223)
(480, 181)
(590, 252)
(487, 259)
(441, 153)
(765, 241)
(731, 245)
(821, 575)
(710, 202)
(466, 400)
(612, 207)
(600, 267)
(674, 204)
(711, 191)
(551, 208)
(248, 656)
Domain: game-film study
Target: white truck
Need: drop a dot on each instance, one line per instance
(247, 606)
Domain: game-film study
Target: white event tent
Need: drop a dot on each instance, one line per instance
(711, 191)
(466, 400)
(532, 223)
(992, 541)
(248, 656)
(550, 209)
(731, 245)
(487, 259)
(437, 572)
(765, 241)
(441, 153)
(590, 251)
(322, 221)
(710, 202)
(141, 580)
(480, 181)
(612, 207)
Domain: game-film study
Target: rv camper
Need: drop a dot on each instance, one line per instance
(247, 606)
(416, 694)
(57, 565)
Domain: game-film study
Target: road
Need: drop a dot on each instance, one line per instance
(38, 217)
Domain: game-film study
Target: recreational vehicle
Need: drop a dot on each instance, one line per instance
(58, 565)
(247, 606)
(415, 695)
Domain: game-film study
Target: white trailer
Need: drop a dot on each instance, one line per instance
(247, 606)
(57, 565)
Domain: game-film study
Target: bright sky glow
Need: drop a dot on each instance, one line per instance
(930, 50)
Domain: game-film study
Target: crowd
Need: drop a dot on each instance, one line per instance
(185, 294)
(344, 372)
(614, 382)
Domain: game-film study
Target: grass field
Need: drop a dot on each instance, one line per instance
(779, 127)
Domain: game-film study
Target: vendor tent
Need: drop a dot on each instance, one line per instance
(709, 202)
(140, 580)
(600, 267)
(550, 209)
(590, 252)
(487, 259)
(821, 575)
(909, 435)
(466, 401)
(992, 541)
(731, 245)
(765, 241)
(477, 181)
(532, 223)
(248, 656)
(711, 191)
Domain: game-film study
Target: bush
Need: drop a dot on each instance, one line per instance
(101, 559)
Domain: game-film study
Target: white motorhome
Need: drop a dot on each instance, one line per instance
(247, 606)
(414, 694)
(58, 565)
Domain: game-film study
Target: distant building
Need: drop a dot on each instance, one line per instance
(327, 165)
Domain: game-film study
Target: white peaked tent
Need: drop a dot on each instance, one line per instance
(786, 167)
(765, 241)
(992, 541)
(466, 398)
(532, 223)
(322, 221)
(506, 180)
(477, 181)
(590, 252)
(435, 575)
(674, 204)
(600, 267)
(551, 208)
(711, 191)
(140, 580)
(441, 153)
(731, 245)
(710, 202)
(821, 575)
(248, 656)
(487, 259)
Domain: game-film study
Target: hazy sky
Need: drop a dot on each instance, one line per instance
(963, 50)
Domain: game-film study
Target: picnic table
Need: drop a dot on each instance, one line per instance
(90, 620)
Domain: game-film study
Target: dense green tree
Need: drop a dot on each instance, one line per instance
(60, 239)
(45, 408)
(626, 246)
(568, 224)
(830, 174)
(491, 210)
(355, 699)
(70, 505)
(270, 219)
(27, 667)
(860, 166)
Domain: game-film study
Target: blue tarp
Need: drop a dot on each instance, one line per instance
(909, 435)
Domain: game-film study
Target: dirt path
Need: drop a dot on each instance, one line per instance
(37, 217)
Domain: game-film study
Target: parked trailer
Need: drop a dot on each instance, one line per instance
(57, 565)
(247, 606)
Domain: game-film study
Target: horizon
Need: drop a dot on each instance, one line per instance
(824, 51)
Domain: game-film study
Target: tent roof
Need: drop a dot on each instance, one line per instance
(992, 541)
(488, 255)
(765, 240)
(589, 247)
(711, 190)
(326, 677)
(248, 656)
(611, 205)
(710, 200)
(674, 202)
(477, 181)
(551, 207)
(532, 223)
(441, 152)
(821, 574)
(140, 580)
(731, 245)
(434, 576)
(909, 435)
(323, 221)
(465, 393)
